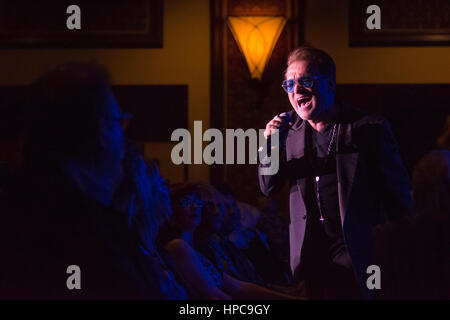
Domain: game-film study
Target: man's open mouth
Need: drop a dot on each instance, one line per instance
(304, 101)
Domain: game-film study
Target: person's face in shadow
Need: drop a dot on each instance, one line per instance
(187, 213)
(232, 215)
(111, 134)
(213, 213)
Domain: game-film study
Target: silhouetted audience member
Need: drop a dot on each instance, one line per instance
(232, 216)
(443, 141)
(11, 129)
(414, 253)
(58, 213)
(210, 242)
(273, 225)
(144, 197)
(266, 259)
(245, 231)
(3, 177)
(200, 275)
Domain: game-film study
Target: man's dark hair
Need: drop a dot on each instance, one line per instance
(318, 57)
(63, 109)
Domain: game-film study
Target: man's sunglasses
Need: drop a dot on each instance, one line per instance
(306, 82)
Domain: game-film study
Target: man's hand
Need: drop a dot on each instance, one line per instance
(281, 122)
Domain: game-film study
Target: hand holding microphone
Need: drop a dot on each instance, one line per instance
(281, 122)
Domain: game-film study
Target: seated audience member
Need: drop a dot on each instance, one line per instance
(246, 231)
(431, 195)
(274, 226)
(414, 253)
(11, 141)
(443, 141)
(144, 198)
(199, 274)
(210, 242)
(3, 178)
(254, 244)
(230, 238)
(232, 216)
(58, 210)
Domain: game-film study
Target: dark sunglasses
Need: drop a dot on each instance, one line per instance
(306, 82)
(189, 200)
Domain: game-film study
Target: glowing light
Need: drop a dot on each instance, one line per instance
(256, 37)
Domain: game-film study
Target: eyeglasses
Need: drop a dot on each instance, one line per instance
(189, 200)
(306, 82)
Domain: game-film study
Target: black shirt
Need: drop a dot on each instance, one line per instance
(324, 241)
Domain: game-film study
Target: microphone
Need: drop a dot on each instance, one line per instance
(267, 147)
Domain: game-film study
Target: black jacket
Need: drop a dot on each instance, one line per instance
(372, 183)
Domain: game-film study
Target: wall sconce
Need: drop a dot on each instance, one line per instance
(256, 37)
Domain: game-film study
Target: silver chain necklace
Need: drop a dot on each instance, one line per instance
(317, 179)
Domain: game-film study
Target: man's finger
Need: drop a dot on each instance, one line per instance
(275, 122)
(277, 118)
(274, 126)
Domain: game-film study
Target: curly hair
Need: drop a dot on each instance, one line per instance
(63, 107)
(144, 194)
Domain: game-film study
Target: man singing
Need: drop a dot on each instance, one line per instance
(345, 176)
